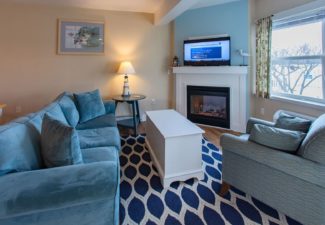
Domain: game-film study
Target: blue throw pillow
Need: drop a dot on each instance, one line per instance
(281, 139)
(289, 122)
(59, 143)
(69, 109)
(90, 105)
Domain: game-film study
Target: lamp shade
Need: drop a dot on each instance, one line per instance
(126, 68)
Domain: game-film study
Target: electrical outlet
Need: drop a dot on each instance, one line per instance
(262, 111)
(18, 109)
(143, 117)
(153, 101)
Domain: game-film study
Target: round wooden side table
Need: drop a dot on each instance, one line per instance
(133, 100)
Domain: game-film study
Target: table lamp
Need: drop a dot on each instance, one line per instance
(126, 68)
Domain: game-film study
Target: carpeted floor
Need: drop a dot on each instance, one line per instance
(144, 201)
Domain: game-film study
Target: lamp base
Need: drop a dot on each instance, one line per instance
(126, 88)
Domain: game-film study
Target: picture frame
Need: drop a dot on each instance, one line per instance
(81, 37)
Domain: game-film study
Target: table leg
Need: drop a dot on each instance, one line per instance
(138, 111)
(116, 102)
(134, 118)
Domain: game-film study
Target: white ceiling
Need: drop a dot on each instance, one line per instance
(206, 3)
(149, 6)
(164, 11)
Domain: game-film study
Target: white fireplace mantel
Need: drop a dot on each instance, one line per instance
(234, 77)
(210, 70)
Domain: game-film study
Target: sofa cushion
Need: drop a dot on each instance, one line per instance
(24, 119)
(91, 155)
(90, 105)
(313, 146)
(290, 122)
(285, 140)
(109, 106)
(252, 121)
(69, 109)
(19, 148)
(100, 137)
(107, 120)
(59, 143)
(54, 110)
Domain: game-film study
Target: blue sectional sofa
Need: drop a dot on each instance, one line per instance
(80, 194)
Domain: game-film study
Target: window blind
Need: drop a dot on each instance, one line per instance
(315, 15)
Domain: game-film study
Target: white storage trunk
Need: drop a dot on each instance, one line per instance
(175, 146)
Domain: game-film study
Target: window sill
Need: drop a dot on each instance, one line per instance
(305, 103)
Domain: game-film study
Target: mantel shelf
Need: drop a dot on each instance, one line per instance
(210, 70)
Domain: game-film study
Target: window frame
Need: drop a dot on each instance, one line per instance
(310, 101)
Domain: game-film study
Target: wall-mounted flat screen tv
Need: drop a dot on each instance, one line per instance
(207, 52)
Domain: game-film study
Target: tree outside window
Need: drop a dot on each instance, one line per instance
(298, 60)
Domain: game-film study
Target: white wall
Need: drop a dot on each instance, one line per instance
(32, 74)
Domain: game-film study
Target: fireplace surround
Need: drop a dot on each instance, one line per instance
(209, 105)
(233, 77)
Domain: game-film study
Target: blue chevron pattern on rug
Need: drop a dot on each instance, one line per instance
(193, 202)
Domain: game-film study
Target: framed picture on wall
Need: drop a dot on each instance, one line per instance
(81, 37)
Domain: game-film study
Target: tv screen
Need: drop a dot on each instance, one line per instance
(207, 52)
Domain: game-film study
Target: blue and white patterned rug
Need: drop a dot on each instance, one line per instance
(144, 201)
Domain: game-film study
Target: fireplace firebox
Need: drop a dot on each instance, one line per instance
(209, 105)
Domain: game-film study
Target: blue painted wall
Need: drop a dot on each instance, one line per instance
(230, 18)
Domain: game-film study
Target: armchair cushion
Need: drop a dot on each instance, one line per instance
(90, 105)
(285, 140)
(59, 144)
(290, 122)
(252, 121)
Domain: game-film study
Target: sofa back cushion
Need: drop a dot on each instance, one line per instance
(54, 110)
(69, 108)
(313, 146)
(19, 147)
(291, 122)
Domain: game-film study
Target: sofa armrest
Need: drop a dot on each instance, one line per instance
(228, 141)
(41, 190)
(252, 121)
(239, 143)
(109, 106)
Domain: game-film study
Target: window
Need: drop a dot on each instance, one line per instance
(297, 58)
